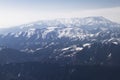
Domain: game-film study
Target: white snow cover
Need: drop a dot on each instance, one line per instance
(72, 48)
(78, 48)
(116, 43)
(87, 45)
(64, 49)
(47, 31)
(18, 34)
(30, 32)
(71, 28)
(109, 56)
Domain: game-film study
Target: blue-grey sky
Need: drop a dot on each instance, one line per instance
(60, 4)
(15, 12)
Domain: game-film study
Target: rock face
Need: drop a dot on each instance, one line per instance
(91, 40)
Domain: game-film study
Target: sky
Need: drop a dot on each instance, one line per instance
(17, 12)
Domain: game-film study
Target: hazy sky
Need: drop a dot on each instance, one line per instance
(16, 12)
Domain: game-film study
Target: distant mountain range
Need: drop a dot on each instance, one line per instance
(90, 40)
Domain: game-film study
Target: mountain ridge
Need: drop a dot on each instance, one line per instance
(58, 41)
(57, 22)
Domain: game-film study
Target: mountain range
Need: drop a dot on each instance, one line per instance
(84, 41)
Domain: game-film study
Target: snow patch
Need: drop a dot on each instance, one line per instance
(47, 31)
(72, 48)
(116, 43)
(78, 48)
(19, 74)
(64, 49)
(87, 45)
(109, 56)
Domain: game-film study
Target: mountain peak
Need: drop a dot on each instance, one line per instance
(100, 18)
(95, 20)
(98, 21)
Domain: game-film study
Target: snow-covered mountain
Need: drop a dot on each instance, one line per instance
(89, 28)
(63, 38)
